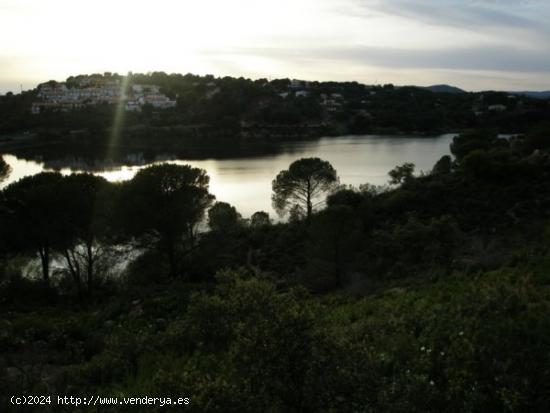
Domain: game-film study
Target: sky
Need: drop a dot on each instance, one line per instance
(472, 44)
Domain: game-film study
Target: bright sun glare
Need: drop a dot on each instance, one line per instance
(305, 39)
(167, 35)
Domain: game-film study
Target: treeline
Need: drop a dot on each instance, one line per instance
(81, 219)
(235, 107)
(473, 211)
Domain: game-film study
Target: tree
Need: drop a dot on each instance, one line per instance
(223, 217)
(468, 142)
(166, 203)
(260, 219)
(4, 169)
(87, 206)
(35, 210)
(401, 174)
(301, 187)
(443, 166)
(345, 197)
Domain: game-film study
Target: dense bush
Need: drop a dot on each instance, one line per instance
(465, 342)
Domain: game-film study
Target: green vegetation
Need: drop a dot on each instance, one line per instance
(429, 295)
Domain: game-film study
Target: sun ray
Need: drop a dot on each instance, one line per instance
(118, 120)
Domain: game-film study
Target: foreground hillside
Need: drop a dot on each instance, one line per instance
(464, 342)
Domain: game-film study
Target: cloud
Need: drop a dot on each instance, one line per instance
(412, 40)
(471, 14)
(495, 58)
(478, 58)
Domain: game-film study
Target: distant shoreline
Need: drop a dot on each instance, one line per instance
(19, 142)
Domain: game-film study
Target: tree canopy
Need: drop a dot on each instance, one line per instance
(223, 217)
(301, 187)
(401, 174)
(259, 219)
(4, 169)
(166, 202)
(88, 205)
(443, 166)
(35, 209)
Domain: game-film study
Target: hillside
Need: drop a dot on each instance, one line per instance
(445, 89)
(535, 95)
(170, 108)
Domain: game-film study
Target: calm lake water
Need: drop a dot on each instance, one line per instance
(245, 180)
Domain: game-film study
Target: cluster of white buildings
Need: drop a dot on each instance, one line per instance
(147, 94)
(60, 96)
(85, 91)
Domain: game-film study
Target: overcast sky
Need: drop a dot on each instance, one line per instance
(473, 44)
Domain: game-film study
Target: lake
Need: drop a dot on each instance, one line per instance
(244, 180)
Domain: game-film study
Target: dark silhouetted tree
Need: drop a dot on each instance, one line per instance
(345, 197)
(401, 174)
(88, 202)
(35, 208)
(465, 143)
(260, 219)
(4, 169)
(301, 187)
(223, 217)
(166, 203)
(443, 166)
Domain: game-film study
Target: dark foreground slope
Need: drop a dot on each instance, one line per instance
(465, 342)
